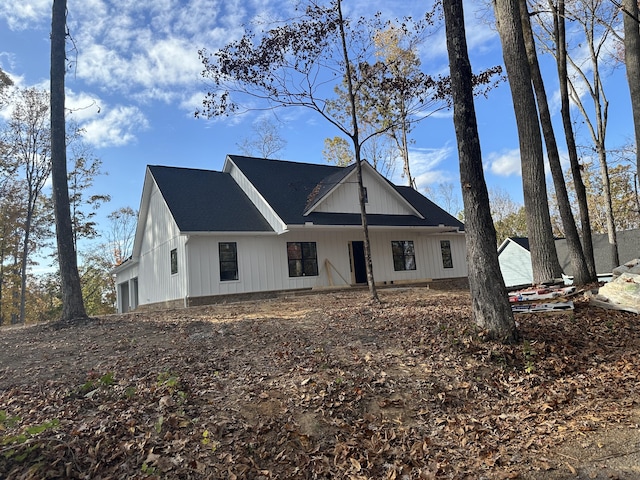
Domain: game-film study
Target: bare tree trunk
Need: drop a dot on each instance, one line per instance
(544, 259)
(490, 303)
(404, 148)
(72, 302)
(578, 264)
(611, 226)
(24, 261)
(632, 63)
(598, 126)
(356, 143)
(576, 168)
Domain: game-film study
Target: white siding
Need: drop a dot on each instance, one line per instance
(515, 264)
(262, 260)
(161, 235)
(428, 256)
(382, 199)
(125, 282)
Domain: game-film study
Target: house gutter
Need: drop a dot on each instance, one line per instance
(222, 234)
(430, 229)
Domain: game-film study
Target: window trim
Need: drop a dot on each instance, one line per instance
(446, 253)
(234, 261)
(303, 261)
(173, 259)
(401, 258)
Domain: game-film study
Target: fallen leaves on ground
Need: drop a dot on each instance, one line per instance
(324, 386)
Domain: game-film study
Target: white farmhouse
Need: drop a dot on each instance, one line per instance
(262, 226)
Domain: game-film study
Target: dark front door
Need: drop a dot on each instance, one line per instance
(358, 262)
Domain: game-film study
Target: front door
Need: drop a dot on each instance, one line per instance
(358, 264)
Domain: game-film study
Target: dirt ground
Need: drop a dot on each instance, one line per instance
(323, 386)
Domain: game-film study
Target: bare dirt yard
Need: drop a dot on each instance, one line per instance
(325, 386)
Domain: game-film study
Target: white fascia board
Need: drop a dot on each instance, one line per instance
(126, 265)
(143, 211)
(426, 230)
(229, 167)
(227, 234)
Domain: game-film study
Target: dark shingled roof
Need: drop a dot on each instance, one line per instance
(286, 186)
(291, 188)
(522, 241)
(207, 201)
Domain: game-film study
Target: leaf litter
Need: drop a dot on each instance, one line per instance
(323, 386)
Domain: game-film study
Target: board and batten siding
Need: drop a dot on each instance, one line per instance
(382, 199)
(161, 235)
(428, 254)
(263, 266)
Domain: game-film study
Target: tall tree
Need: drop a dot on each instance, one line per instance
(509, 217)
(631, 22)
(11, 233)
(338, 150)
(406, 65)
(544, 259)
(265, 140)
(576, 254)
(72, 301)
(622, 196)
(560, 52)
(5, 81)
(594, 17)
(120, 235)
(27, 139)
(491, 309)
(84, 168)
(446, 195)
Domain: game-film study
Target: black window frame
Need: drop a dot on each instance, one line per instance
(302, 259)
(445, 251)
(173, 259)
(228, 258)
(404, 255)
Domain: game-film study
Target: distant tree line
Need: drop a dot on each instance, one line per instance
(26, 215)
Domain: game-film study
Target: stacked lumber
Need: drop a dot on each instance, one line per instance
(554, 299)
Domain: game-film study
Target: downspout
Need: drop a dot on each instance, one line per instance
(186, 283)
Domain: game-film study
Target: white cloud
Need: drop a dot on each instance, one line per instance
(21, 15)
(425, 164)
(115, 126)
(505, 163)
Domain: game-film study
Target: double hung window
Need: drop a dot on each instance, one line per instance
(174, 261)
(302, 258)
(228, 255)
(404, 256)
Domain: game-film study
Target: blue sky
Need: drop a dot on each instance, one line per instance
(136, 83)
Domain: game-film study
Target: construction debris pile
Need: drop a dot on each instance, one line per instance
(623, 291)
(551, 298)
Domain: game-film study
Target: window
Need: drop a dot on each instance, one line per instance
(445, 248)
(174, 261)
(404, 257)
(366, 195)
(303, 259)
(228, 254)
